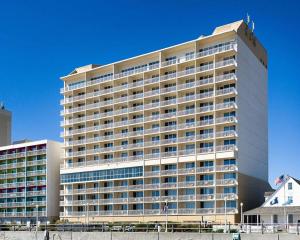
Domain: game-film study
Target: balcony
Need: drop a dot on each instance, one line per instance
(227, 196)
(225, 63)
(36, 203)
(226, 182)
(36, 172)
(36, 183)
(226, 91)
(219, 106)
(36, 193)
(215, 50)
(180, 153)
(225, 106)
(205, 197)
(225, 77)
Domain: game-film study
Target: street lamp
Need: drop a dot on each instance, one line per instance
(37, 219)
(87, 213)
(225, 213)
(242, 217)
(166, 211)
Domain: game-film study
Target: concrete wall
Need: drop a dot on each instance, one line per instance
(252, 129)
(142, 236)
(252, 114)
(5, 127)
(54, 158)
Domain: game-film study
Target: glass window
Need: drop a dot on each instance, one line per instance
(189, 191)
(190, 165)
(172, 205)
(208, 191)
(190, 205)
(229, 162)
(229, 175)
(230, 142)
(231, 204)
(102, 175)
(155, 180)
(229, 189)
(275, 218)
(155, 205)
(155, 193)
(155, 168)
(189, 178)
(207, 204)
(290, 186)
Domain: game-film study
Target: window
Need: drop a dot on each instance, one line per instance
(190, 178)
(290, 200)
(170, 149)
(155, 168)
(190, 165)
(229, 162)
(207, 164)
(229, 142)
(208, 191)
(189, 191)
(155, 206)
(170, 193)
(290, 218)
(170, 180)
(207, 204)
(190, 205)
(207, 177)
(155, 180)
(229, 114)
(275, 218)
(229, 189)
(290, 186)
(102, 175)
(229, 128)
(231, 204)
(155, 193)
(190, 134)
(155, 151)
(229, 175)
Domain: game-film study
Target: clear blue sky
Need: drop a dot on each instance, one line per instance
(43, 40)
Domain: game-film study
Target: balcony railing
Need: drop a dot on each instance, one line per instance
(215, 50)
(181, 211)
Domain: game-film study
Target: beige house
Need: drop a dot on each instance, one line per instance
(183, 127)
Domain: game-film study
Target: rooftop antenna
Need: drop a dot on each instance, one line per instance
(253, 26)
(248, 19)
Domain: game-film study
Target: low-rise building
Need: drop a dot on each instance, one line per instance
(281, 207)
(29, 181)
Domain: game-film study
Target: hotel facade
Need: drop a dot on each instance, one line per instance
(29, 181)
(181, 131)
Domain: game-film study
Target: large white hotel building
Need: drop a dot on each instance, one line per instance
(184, 126)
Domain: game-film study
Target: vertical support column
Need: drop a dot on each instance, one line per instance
(214, 133)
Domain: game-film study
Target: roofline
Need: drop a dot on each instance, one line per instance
(284, 182)
(26, 144)
(149, 53)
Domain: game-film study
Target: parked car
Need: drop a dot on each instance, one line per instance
(129, 228)
(117, 228)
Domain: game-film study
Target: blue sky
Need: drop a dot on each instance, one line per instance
(43, 40)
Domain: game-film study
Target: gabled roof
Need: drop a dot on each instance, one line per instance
(296, 180)
(278, 189)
